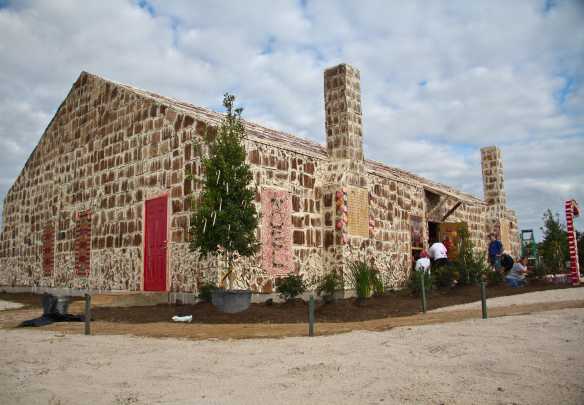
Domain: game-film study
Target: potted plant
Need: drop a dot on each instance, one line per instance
(225, 221)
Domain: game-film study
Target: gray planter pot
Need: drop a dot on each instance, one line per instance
(231, 301)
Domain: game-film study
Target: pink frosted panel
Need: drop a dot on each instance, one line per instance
(277, 232)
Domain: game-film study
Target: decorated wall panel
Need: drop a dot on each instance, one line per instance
(276, 232)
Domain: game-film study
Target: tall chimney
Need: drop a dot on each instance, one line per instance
(493, 180)
(342, 101)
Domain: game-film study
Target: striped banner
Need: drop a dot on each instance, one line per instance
(572, 210)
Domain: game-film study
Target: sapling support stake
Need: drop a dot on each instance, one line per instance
(484, 298)
(87, 318)
(423, 288)
(311, 316)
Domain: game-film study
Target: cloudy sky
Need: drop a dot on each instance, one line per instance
(440, 79)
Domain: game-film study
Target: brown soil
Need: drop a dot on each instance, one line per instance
(393, 304)
(280, 320)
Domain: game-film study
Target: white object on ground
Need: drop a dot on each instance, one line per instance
(186, 318)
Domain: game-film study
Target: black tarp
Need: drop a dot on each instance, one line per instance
(54, 310)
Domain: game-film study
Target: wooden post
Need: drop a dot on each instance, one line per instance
(311, 316)
(423, 287)
(87, 314)
(484, 298)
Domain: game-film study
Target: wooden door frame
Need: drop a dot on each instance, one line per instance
(167, 278)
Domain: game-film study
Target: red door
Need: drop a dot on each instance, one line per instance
(155, 245)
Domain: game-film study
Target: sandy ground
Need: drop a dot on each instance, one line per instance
(529, 359)
(4, 305)
(571, 294)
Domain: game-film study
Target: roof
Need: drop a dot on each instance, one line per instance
(284, 140)
(261, 134)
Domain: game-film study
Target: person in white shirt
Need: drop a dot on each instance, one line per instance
(516, 276)
(438, 254)
(423, 263)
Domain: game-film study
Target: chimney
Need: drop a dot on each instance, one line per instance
(342, 102)
(493, 181)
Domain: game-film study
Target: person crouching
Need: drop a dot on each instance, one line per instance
(516, 276)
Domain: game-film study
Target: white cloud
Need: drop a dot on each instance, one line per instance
(439, 79)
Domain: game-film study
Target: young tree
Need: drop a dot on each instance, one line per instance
(554, 247)
(226, 219)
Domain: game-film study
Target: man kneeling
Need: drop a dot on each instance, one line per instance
(516, 276)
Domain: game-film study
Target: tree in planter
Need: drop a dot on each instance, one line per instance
(225, 221)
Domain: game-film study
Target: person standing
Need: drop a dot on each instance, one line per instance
(495, 251)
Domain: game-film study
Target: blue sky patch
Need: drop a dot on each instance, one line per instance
(144, 5)
(565, 91)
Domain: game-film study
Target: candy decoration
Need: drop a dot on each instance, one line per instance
(342, 202)
(572, 210)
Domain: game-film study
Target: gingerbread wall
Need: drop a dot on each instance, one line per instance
(74, 218)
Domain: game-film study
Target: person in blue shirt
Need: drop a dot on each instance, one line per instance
(495, 251)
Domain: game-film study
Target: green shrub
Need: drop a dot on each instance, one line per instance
(291, 287)
(470, 265)
(494, 277)
(378, 287)
(540, 270)
(365, 279)
(445, 276)
(415, 285)
(206, 291)
(328, 285)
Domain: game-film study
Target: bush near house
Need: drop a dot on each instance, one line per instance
(327, 286)
(365, 279)
(415, 285)
(494, 278)
(445, 276)
(206, 291)
(291, 287)
(470, 265)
